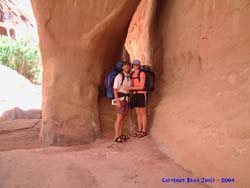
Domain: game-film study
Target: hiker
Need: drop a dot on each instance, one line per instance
(121, 100)
(139, 98)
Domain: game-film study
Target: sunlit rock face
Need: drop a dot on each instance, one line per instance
(141, 39)
(79, 40)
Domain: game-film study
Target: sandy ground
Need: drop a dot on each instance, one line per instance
(136, 163)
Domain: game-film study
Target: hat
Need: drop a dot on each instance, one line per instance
(136, 62)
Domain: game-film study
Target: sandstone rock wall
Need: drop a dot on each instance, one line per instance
(202, 115)
(200, 52)
(79, 40)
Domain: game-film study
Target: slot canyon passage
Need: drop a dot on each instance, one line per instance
(198, 115)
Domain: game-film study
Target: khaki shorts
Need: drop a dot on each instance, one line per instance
(123, 109)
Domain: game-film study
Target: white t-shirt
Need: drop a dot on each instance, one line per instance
(126, 83)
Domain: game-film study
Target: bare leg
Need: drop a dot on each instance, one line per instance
(144, 119)
(121, 125)
(118, 121)
(139, 119)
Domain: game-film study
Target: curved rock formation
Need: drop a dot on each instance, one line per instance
(79, 40)
(205, 85)
(200, 51)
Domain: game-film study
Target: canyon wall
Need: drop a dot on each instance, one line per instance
(200, 52)
(201, 106)
(79, 41)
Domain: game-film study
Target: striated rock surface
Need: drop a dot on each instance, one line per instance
(201, 116)
(79, 41)
(200, 51)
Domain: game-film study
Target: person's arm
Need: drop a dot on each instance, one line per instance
(115, 90)
(116, 94)
(116, 97)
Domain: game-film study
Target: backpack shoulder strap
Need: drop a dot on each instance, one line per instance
(139, 75)
(131, 77)
(123, 77)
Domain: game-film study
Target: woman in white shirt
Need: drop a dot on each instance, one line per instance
(122, 97)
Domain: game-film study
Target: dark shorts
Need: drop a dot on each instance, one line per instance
(139, 100)
(123, 109)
